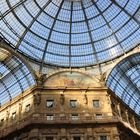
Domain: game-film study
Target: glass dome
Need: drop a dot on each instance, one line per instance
(71, 33)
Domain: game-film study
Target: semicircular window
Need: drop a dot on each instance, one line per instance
(71, 33)
(124, 80)
(15, 77)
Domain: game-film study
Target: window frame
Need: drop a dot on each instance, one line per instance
(76, 138)
(73, 104)
(96, 103)
(99, 116)
(50, 117)
(74, 116)
(49, 138)
(27, 108)
(14, 115)
(52, 103)
(106, 137)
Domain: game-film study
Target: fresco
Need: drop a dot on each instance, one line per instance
(73, 79)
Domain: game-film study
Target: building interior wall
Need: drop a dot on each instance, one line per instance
(68, 113)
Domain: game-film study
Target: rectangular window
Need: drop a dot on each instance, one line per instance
(76, 138)
(103, 137)
(13, 115)
(27, 108)
(74, 116)
(63, 139)
(49, 103)
(96, 103)
(99, 116)
(49, 138)
(73, 103)
(2, 121)
(50, 117)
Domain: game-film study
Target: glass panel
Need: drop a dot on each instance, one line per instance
(71, 33)
(49, 138)
(76, 138)
(124, 81)
(74, 117)
(99, 116)
(13, 115)
(103, 137)
(50, 103)
(27, 108)
(15, 77)
(96, 103)
(50, 117)
(73, 103)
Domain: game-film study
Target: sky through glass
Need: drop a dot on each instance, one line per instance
(71, 33)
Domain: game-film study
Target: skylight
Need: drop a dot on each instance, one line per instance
(124, 80)
(71, 33)
(15, 77)
(3, 71)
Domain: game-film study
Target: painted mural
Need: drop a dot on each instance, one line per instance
(73, 79)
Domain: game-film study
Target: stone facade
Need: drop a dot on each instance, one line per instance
(68, 106)
(43, 113)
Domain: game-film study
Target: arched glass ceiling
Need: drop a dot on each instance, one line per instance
(15, 77)
(71, 33)
(124, 80)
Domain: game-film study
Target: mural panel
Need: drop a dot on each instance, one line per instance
(73, 79)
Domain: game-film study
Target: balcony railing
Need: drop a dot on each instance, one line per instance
(14, 125)
(36, 118)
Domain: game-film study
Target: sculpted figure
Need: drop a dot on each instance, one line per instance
(20, 107)
(37, 99)
(62, 99)
(41, 79)
(7, 115)
(85, 99)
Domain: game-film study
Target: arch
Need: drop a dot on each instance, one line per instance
(73, 78)
(124, 80)
(4, 45)
(15, 76)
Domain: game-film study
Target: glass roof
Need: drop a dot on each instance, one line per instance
(124, 80)
(71, 33)
(15, 77)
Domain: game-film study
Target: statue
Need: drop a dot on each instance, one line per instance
(85, 99)
(62, 99)
(102, 79)
(37, 99)
(20, 107)
(7, 115)
(41, 79)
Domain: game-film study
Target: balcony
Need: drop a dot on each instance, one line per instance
(15, 125)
